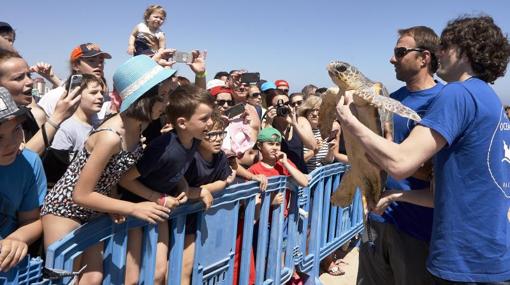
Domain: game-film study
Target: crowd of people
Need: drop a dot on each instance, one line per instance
(159, 140)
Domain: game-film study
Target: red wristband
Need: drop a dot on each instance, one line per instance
(162, 199)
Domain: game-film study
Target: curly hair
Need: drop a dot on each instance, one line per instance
(151, 9)
(482, 41)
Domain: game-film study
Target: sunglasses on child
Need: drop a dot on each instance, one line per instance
(222, 102)
(215, 135)
(402, 51)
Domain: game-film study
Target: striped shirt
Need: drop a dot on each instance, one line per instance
(316, 161)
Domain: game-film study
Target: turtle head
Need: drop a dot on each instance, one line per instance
(345, 75)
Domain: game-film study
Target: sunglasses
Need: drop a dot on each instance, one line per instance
(402, 51)
(215, 135)
(285, 91)
(296, 103)
(253, 95)
(222, 102)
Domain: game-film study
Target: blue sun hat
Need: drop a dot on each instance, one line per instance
(266, 86)
(137, 76)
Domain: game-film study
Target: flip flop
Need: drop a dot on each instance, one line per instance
(335, 269)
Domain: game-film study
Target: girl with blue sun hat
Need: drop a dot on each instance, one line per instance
(84, 191)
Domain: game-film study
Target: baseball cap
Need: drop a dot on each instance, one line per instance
(88, 50)
(269, 134)
(215, 83)
(266, 86)
(220, 89)
(281, 82)
(8, 108)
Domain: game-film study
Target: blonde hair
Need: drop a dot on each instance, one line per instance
(312, 102)
(151, 9)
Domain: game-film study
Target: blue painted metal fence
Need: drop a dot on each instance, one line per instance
(312, 230)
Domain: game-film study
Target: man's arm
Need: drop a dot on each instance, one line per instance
(399, 160)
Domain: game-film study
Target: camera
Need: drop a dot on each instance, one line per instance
(282, 109)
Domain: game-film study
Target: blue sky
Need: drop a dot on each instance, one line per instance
(292, 40)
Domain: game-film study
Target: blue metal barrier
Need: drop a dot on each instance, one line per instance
(27, 272)
(312, 230)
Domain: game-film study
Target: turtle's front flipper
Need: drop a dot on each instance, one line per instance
(394, 106)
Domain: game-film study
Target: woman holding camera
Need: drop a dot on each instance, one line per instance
(297, 132)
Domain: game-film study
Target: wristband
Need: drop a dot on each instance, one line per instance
(201, 75)
(53, 124)
(162, 200)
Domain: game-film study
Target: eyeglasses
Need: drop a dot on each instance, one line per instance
(402, 51)
(253, 95)
(296, 103)
(222, 102)
(215, 135)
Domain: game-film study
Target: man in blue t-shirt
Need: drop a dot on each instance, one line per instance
(468, 132)
(22, 186)
(401, 235)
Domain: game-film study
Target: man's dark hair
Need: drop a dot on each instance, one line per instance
(483, 43)
(221, 74)
(425, 38)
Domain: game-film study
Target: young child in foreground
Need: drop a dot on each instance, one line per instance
(22, 186)
(147, 37)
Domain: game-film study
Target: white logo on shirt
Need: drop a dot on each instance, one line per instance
(507, 152)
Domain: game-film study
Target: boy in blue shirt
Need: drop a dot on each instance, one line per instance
(159, 175)
(22, 187)
(467, 130)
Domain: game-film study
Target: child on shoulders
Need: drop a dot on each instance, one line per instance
(147, 37)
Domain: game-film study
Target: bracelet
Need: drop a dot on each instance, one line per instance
(53, 124)
(201, 75)
(162, 200)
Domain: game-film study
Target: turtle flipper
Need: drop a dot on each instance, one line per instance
(345, 192)
(394, 106)
(327, 111)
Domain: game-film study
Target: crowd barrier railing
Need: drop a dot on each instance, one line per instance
(280, 244)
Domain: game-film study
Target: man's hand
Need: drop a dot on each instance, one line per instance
(343, 108)
(164, 57)
(388, 197)
(11, 253)
(197, 64)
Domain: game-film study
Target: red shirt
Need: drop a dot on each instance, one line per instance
(278, 169)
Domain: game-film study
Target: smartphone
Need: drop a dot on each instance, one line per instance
(75, 81)
(332, 136)
(234, 111)
(183, 57)
(250, 77)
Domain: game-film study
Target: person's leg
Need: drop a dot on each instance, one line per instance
(133, 256)
(408, 258)
(55, 228)
(93, 259)
(161, 254)
(187, 259)
(374, 268)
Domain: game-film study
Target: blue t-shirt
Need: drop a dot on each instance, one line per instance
(22, 187)
(410, 218)
(164, 163)
(471, 230)
(202, 172)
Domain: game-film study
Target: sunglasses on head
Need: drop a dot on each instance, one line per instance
(222, 102)
(402, 51)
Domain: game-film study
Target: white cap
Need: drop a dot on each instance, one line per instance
(215, 83)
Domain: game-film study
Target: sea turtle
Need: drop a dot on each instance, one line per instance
(373, 107)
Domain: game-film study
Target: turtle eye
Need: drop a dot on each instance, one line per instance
(341, 68)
